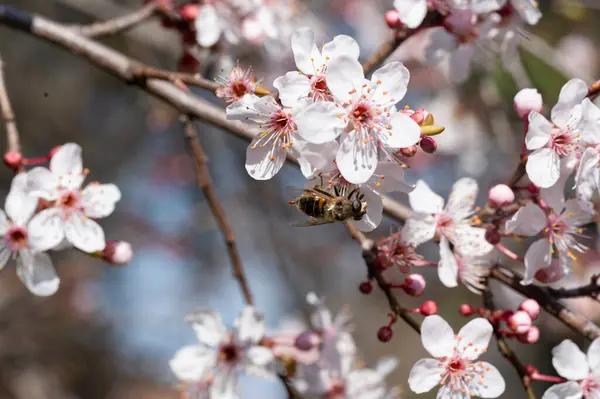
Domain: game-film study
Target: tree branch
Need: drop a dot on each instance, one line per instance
(205, 184)
(119, 24)
(507, 351)
(592, 290)
(369, 255)
(8, 115)
(147, 72)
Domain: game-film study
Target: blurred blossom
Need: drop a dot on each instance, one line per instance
(578, 55)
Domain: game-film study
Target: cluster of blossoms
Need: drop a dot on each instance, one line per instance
(341, 127)
(322, 361)
(459, 27)
(47, 209)
(223, 23)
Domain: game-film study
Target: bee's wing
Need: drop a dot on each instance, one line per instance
(317, 191)
(294, 191)
(311, 222)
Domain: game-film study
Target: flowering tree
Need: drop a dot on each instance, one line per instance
(342, 122)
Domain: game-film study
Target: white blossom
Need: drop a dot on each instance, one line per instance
(367, 109)
(411, 12)
(309, 81)
(454, 366)
(429, 217)
(210, 369)
(559, 222)
(556, 139)
(223, 18)
(22, 240)
(71, 210)
(581, 371)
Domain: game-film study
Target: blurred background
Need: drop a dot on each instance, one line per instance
(110, 331)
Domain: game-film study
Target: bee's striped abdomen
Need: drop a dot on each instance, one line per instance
(312, 206)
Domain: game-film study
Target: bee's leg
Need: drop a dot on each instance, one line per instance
(360, 197)
(321, 176)
(352, 193)
(336, 191)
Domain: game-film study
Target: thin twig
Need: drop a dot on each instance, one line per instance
(507, 351)
(592, 290)
(369, 255)
(205, 184)
(147, 72)
(119, 24)
(12, 134)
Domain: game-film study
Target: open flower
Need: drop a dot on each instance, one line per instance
(455, 367)
(559, 222)
(411, 12)
(468, 270)
(367, 108)
(211, 368)
(238, 83)
(34, 268)
(587, 179)
(581, 371)
(429, 217)
(72, 210)
(395, 251)
(278, 135)
(310, 81)
(223, 18)
(556, 139)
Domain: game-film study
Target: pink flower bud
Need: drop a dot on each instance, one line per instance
(530, 337)
(492, 236)
(409, 151)
(428, 308)
(519, 322)
(188, 63)
(466, 309)
(528, 100)
(501, 195)
(418, 116)
(531, 307)
(385, 333)
(550, 274)
(190, 12)
(307, 340)
(365, 287)
(13, 159)
(392, 19)
(414, 285)
(117, 252)
(428, 144)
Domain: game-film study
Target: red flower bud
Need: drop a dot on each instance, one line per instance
(466, 309)
(414, 285)
(190, 12)
(307, 340)
(13, 159)
(531, 307)
(501, 195)
(428, 144)
(428, 308)
(385, 333)
(365, 287)
(392, 19)
(531, 336)
(492, 236)
(519, 322)
(409, 151)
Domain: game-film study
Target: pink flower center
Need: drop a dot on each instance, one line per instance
(444, 223)
(319, 89)
(461, 373)
(69, 200)
(277, 133)
(229, 353)
(239, 88)
(16, 238)
(563, 143)
(590, 387)
(361, 113)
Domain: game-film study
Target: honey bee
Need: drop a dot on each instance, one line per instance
(323, 207)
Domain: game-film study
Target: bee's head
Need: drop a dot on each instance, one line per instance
(359, 209)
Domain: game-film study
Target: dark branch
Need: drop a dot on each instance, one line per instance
(592, 290)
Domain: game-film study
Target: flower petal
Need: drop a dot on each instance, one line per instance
(469, 240)
(419, 228)
(475, 337)
(262, 163)
(374, 212)
(4, 225)
(566, 390)
(528, 221)
(538, 255)
(84, 233)
(306, 53)
(19, 205)
(437, 336)
(250, 326)
(554, 196)
(448, 267)
(461, 201)
(314, 158)
(589, 162)
(42, 183)
(319, 122)
(252, 109)
(529, 11)
(575, 213)
(355, 159)
(344, 74)
(208, 26)
(259, 361)
(411, 12)
(98, 200)
(225, 385)
(37, 273)
(67, 160)
(539, 131)
(393, 78)
(569, 361)
(493, 383)
(292, 86)
(543, 167)
(341, 45)
(425, 375)
(593, 356)
(209, 328)
(590, 126)
(46, 230)
(423, 199)
(192, 363)
(389, 177)
(486, 6)
(404, 133)
(571, 95)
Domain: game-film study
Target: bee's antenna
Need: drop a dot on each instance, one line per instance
(360, 197)
(352, 193)
(335, 189)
